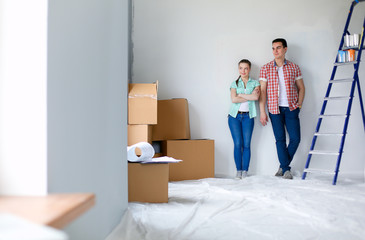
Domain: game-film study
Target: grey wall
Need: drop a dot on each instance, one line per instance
(87, 89)
(193, 47)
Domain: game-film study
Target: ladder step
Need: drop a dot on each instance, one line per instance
(355, 48)
(337, 98)
(315, 170)
(328, 134)
(345, 63)
(342, 80)
(323, 152)
(333, 115)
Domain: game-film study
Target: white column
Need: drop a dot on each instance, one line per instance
(23, 97)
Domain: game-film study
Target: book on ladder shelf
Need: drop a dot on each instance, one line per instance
(349, 53)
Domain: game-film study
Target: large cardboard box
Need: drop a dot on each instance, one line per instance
(197, 156)
(172, 120)
(142, 103)
(148, 182)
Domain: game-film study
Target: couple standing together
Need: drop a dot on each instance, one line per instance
(281, 86)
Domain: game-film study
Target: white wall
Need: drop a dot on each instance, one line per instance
(193, 47)
(87, 105)
(23, 116)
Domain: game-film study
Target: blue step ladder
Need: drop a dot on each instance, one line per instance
(333, 80)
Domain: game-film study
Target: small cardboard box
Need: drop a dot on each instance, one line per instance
(197, 156)
(139, 133)
(172, 120)
(142, 103)
(148, 182)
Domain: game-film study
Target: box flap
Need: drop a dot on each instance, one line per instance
(142, 90)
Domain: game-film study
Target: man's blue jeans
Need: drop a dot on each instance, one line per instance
(289, 120)
(241, 129)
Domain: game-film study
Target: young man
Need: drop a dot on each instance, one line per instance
(283, 88)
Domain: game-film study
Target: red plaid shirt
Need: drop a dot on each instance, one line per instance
(269, 74)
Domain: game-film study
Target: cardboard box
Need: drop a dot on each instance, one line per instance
(158, 155)
(139, 133)
(148, 182)
(172, 120)
(142, 103)
(197, 156)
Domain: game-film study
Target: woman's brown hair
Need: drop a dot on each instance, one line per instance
(243, 61)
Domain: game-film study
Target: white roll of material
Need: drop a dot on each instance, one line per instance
(147, 152)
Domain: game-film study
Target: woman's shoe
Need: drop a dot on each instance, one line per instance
(279, 173)
(288, 175)
(238, 175)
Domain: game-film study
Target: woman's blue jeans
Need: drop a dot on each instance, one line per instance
(241, 129)
(289, 120)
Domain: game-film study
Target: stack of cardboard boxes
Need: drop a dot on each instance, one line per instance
(164, 124)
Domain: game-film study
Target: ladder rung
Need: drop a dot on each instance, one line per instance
(355, 48)
(342, 80)
(323, 152)
(333, 115)
(328, 134)
(315, 170)
(336, 98)
(345, 63)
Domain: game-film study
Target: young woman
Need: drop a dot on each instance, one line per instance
(244, 92)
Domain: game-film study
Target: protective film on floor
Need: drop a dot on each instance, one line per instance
(257, 207)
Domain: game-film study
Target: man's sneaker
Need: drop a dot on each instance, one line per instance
(279, 173)
(244, 174)
(238, 175)
(287, 175)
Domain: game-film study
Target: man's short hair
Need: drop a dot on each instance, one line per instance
(282, 40)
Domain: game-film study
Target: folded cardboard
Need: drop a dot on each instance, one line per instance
(148, 182)
(142, 103)
(197, 156)
(172, 120)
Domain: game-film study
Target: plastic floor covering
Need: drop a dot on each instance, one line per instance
(257, 207)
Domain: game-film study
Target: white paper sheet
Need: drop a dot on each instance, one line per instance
(164, 159)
